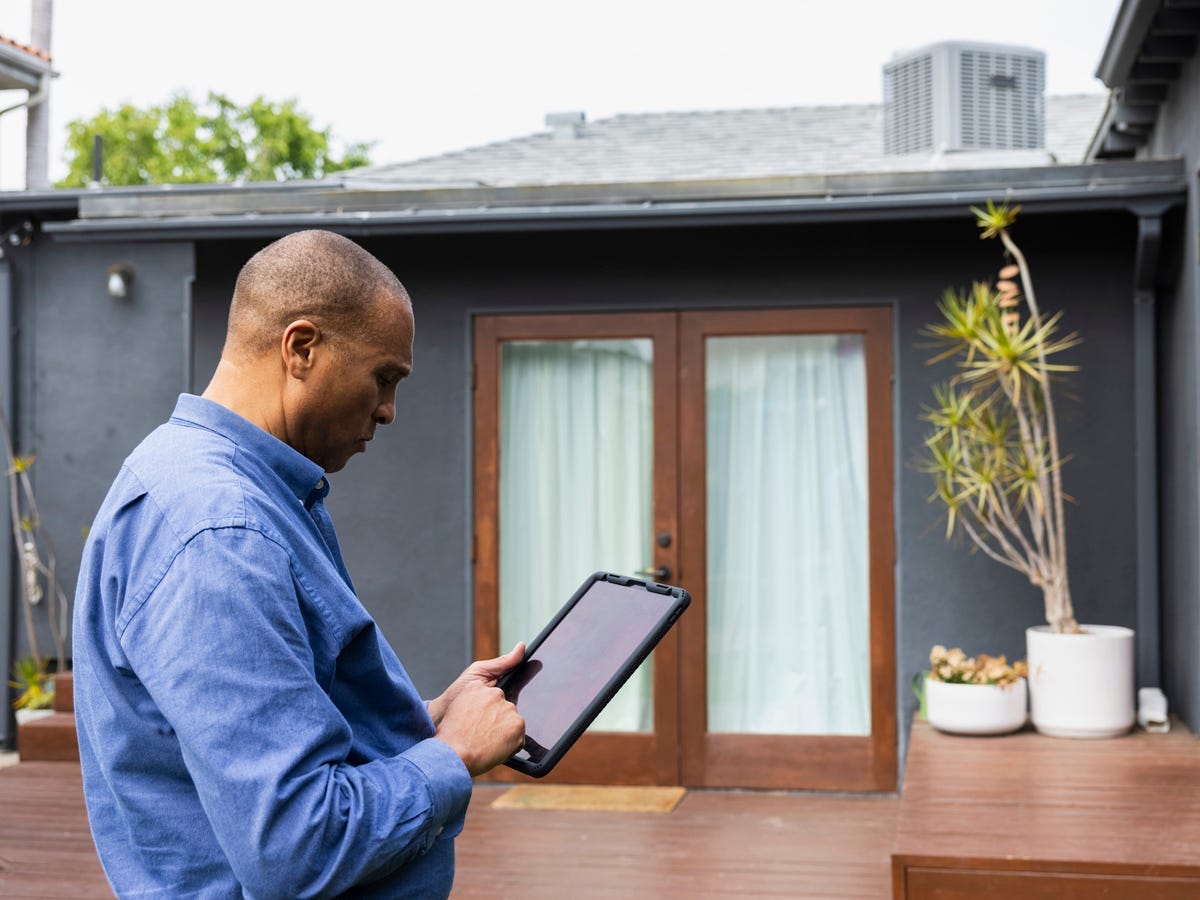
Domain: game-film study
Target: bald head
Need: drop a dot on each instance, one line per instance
(314, 275)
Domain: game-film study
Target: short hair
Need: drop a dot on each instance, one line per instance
(315, 275)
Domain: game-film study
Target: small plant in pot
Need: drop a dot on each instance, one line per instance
(993, 452)
(36, 687)
(973, 695)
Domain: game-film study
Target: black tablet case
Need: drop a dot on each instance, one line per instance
(537, 761)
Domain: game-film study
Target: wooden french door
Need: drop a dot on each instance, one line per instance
(745, 455)
(641, 755)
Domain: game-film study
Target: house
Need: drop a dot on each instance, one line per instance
(25, 68)
(611, 319)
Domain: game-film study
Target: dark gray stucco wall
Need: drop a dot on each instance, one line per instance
(404, 513)
(95, 374)
(1177, 133)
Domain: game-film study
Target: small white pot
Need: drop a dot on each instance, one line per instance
(28, 715)
(1081, 685)
(975, 708)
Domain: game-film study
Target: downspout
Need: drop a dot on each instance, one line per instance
(189, 335)
(8, 609)
(1145, 399)
(33, 99)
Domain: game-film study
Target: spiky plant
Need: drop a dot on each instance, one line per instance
(993, 446)
(35, 685)
(38, 579)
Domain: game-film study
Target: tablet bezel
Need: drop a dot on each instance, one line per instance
(677, 601)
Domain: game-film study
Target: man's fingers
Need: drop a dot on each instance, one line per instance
(491, 670)
(482, 727)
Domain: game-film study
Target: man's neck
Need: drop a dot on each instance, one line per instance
(243, 390)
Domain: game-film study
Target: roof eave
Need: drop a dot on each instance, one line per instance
(21, 69)
(1111, 185)
(1129, 29)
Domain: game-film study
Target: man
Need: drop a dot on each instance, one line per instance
(244, 728)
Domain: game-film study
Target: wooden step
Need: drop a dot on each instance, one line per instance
(50, 738)
(64, 692)
(1026, 815)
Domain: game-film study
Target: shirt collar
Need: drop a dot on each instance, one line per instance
(303, 476)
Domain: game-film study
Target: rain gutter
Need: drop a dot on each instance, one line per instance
(1072, 197)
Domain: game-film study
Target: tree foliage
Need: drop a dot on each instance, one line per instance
(182, 141)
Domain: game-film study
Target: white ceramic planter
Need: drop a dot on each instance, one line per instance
(28, 715)
(975, 708)
(1081, 685)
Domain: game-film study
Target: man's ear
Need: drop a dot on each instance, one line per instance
(299, 346)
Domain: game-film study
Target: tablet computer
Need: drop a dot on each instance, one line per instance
(582, 657)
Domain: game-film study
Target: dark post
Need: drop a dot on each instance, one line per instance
(97, 158)
(10, 594)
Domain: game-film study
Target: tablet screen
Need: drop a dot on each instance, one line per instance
(578, 658)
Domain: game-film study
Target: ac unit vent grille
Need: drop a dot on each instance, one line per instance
(964, 96)
(1000, 97)
(908, 106)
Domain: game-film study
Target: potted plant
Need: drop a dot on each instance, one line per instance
(36, 686)
(993, 451)
(38, 581)
(973, 695)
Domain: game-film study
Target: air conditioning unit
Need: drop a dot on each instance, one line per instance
(960, 95)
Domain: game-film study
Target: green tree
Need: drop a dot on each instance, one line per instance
(183, 141)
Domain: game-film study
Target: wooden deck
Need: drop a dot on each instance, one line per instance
(1035, 817)
(45, 846)
(714, 844)
(1018, 816)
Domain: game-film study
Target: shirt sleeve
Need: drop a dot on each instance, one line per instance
(222, 645)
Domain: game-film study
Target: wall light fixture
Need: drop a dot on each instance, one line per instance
(120, 277)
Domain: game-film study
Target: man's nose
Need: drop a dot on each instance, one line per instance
(385, 413)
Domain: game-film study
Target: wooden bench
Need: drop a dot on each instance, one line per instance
(1029, 816)
(52, 738)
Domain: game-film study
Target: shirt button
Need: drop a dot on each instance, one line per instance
(321, 485)
(440, 830)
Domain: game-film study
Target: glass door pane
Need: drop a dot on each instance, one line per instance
(788, 629)
(576, 485)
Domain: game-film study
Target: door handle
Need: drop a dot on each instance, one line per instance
(658, 573)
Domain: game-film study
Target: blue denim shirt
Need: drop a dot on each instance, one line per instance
(244, 728)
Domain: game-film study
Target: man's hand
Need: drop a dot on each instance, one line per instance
(482, 727)
(486, 671)
(475, 719)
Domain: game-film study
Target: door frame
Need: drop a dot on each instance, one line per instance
(680, 750)
(809, 762)
(605, 757)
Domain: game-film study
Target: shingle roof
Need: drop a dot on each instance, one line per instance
(32, 51)
(726, 144)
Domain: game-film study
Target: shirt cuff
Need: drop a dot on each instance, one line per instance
(449, 785)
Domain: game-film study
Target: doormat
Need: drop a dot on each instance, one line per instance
(590, 798)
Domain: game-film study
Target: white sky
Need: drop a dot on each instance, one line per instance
(421, 77)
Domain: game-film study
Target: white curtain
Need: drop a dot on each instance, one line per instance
(576, 454)
(788, 611)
